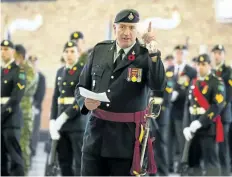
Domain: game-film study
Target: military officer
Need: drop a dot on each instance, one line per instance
(125, 70)
(202, 121)
(26, 104)
(225, 72)
(181, 75)
(66, 124)
(13, 83)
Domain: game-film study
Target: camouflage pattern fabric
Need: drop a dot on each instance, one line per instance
(26, 105)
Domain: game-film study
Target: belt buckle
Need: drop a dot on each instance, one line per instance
(61, 101)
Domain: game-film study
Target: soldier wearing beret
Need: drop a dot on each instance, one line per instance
(26, 103)
(168, 61)
(126, 71)
(66, 124)
(225, 72)
(13, 83)
(202, 120)
(78, 37)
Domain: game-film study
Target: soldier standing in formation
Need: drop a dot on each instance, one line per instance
(37, 104)
(202, 121)
(66, 124)
(13, 83)
(224, 72)
(179, 75)
(160, 126)
(126, 70)
(26, 104)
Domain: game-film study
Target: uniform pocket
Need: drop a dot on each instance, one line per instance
(96, 73)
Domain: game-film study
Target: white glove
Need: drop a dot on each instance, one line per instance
(195, 125)
(53, 130)
(61, 120)
(187, 133)
(174, 95)
(35, 110)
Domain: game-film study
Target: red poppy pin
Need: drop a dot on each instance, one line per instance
(6, 71)
(203, 84)
(72, 71)
(131, 57)
(182, 74)
(218, 73)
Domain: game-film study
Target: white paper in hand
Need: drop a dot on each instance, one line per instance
(92, 95)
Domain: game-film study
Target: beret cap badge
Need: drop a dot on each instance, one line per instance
(70, 44)
(131, 16)
(6, 43)
(75, 35)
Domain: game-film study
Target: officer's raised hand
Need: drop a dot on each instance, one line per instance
(150, 39)
(91, 104)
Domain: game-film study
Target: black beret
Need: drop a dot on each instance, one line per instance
(218, 47)
(70, 44)
(7, 43)
(203, 58)
(168, 57)
(127, 16)
(181, 47)
(20, 49)
(76, 35)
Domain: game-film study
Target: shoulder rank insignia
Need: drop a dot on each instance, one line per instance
(230, 82)
(205, 89)
(169, 74)
(210, 115)
(219, 98)
(75, 107)
(20, 86)
(169, 90)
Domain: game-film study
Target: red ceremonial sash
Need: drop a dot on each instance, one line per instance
(202, 101)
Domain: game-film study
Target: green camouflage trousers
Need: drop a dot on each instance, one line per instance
(26, 132)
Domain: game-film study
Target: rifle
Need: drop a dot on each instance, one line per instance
(52, 167)
(184, 167)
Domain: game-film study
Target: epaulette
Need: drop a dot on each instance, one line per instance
(106, 42)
